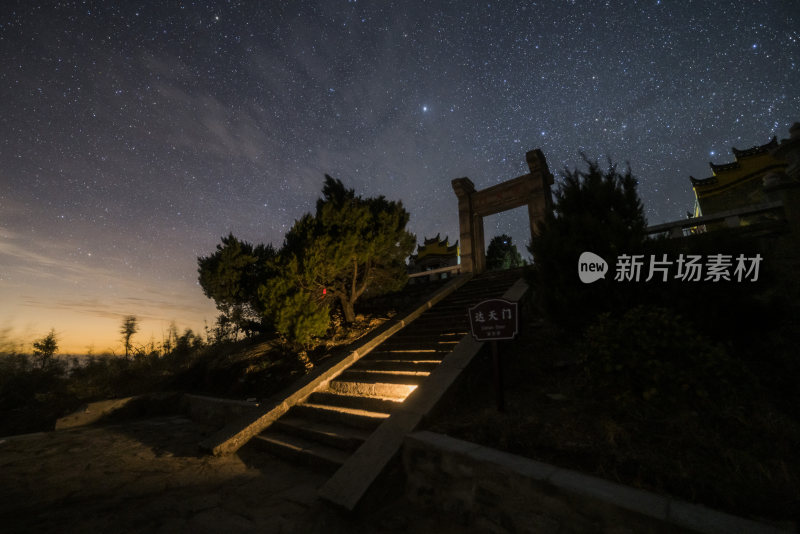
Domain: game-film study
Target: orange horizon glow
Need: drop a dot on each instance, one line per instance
(45, 285)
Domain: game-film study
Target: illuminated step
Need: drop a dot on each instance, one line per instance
(374, 389)
(416, 344)
(415, 335)
(405, 354)
(386, 377)
(349, 416)
(431, 351)
(426, 329)
(342, 437)
(385, 364)
(361, 402)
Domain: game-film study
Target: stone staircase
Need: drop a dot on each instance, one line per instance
(325, 428)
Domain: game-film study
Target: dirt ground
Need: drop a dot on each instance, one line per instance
(148, 476)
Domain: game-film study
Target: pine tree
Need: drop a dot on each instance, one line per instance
(503, 254)
(231, 277)
(594, 211)
(350, 247)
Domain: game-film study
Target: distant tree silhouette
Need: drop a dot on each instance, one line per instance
(130, 325)
(44, 349)
(503, 254)
(231, 277)
(597, 211)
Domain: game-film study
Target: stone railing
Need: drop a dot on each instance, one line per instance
(731, 218)
(452, 270)
(487, 490)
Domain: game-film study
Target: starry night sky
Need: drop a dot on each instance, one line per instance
(133, 135)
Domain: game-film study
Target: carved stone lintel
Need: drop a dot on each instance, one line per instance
(531, 189)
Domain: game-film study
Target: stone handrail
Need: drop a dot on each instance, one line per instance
(455, 269)
(732, 219)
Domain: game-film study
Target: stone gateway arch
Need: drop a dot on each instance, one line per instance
(532, 189)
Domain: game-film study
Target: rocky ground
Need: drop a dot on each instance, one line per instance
(148, 476)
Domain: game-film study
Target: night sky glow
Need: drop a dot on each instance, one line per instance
(133, 135)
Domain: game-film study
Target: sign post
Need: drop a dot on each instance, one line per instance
(494, 320)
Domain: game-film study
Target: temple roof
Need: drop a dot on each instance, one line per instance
(741, 167)
(758, 149)
(436, 246)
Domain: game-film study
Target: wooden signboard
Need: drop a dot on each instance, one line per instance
(494, 320)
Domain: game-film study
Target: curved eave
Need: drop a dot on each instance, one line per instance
(703, 181)
(712, 186)
(724, 167)
(760, 149)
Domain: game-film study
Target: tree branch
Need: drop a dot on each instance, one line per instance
(353, 295)
(364, 282)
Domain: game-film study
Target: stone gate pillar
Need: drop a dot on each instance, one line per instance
(464, 189)
(540, 203)
(532, 189)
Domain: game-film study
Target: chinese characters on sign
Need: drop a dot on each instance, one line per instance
(493, 319)
(688, 268)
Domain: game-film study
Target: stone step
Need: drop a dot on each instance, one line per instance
(374, 389)
(360, 402)
(297, 449)
(479, 288)
(342, 437)
(384, 377)
(384, 364)
(457, 311)
(429, 332)
(423, 337)
(467, 294)
(458, 308)
(445, 330)
(418, 344)
(463, 304)
(443, 323)
(517, 272)
(409, 354)
(334, 414)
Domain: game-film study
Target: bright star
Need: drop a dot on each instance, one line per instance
(424, 108)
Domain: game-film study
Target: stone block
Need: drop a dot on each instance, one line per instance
(609, 493)
(516, 291)
(351, 482)
(442, 442)
(124, 408)
(500, 492)
(524, 466)
(463, 353)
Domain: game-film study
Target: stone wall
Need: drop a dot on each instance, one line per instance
(111, 410)
(493, 491)
(215, 411)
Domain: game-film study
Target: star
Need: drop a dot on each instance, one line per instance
(215, 118)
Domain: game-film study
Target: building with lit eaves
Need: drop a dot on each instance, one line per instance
(738, 184)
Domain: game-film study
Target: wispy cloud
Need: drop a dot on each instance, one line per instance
(100, 291)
